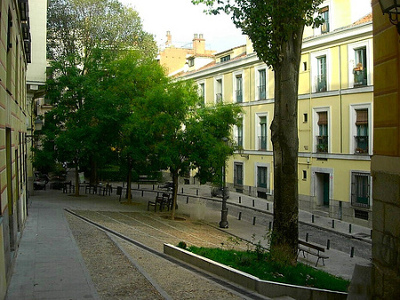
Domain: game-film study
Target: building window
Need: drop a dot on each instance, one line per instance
(324, 12)
(239, 88)
(321, 84)
(202, 92)
(360, 189)
(191, 62)
(360, 70)
(304, 174)
(361, 139)
(238, 174)
(218, 90)
(322, 138)
(262, 84)
(225, 58)
(262, 175)
(239, 134)
(262, 137)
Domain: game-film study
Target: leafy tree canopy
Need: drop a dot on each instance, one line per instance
(268, 23)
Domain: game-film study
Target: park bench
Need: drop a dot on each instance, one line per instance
(312, 249)
(68, 187)
(160, 201)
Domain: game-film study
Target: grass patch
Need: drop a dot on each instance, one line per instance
(262, 266)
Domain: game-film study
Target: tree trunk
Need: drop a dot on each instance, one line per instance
(285, 142)
(175, 178)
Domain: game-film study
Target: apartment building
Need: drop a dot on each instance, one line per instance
(335, 114)
(16, 125)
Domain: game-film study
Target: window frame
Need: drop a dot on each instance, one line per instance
(314, 69)
(316, 128)
(237, 135)
(202, 90)
(352, 59)
(267, 166)
(236, 178)
(353, 128)
(236, 75)
(354, 188)
(257, 82)
(218, 82)
(259, 131)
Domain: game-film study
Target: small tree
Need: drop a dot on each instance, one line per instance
(276, 29)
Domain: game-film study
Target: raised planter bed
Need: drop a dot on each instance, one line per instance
(263, 287)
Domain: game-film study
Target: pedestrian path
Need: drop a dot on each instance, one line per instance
(49, 264)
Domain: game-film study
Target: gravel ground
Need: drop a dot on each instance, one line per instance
(121, 270)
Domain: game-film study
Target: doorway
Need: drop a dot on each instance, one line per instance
(322, 190)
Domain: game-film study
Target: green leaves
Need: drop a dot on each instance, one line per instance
(268, 23)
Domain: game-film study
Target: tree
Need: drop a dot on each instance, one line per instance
(135, 82)
(188, 135)
(276, 29)
(84, 37)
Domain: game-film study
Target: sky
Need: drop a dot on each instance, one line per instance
(183, 20)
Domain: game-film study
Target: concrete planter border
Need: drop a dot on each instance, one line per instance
(263, 287)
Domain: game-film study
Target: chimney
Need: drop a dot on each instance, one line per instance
(199, 44)
(169, 39)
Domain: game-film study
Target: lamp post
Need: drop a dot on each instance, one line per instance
(224, 210)
(392, 7)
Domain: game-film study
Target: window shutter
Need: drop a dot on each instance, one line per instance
(323, 118)
(362, 117)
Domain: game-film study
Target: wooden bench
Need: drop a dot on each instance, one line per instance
(160, 201)
(313, 249)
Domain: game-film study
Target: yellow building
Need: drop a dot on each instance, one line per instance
(385, 163)
(335, 114)
(15, 124)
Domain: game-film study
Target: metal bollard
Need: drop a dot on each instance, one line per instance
(307, 237)
(197, 192)
(182, 190)
(267, 206)
(254, 220)
(240, 215)
(312, 218)
(270, 226)
(333, 223)
(187, 199)
(349, 228)
(328, 244)
(253, 203)
(142, 193)
(352, 252)
(240, 199)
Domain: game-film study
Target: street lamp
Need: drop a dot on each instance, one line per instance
(391, 7)
(224, 210)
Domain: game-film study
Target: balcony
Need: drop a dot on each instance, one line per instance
(361, 144)
(321, 83)
(239, 141)
(262, 143)
(262, 92)
(239, 96)
(360, 77)
(218, 98)
(322, 144)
